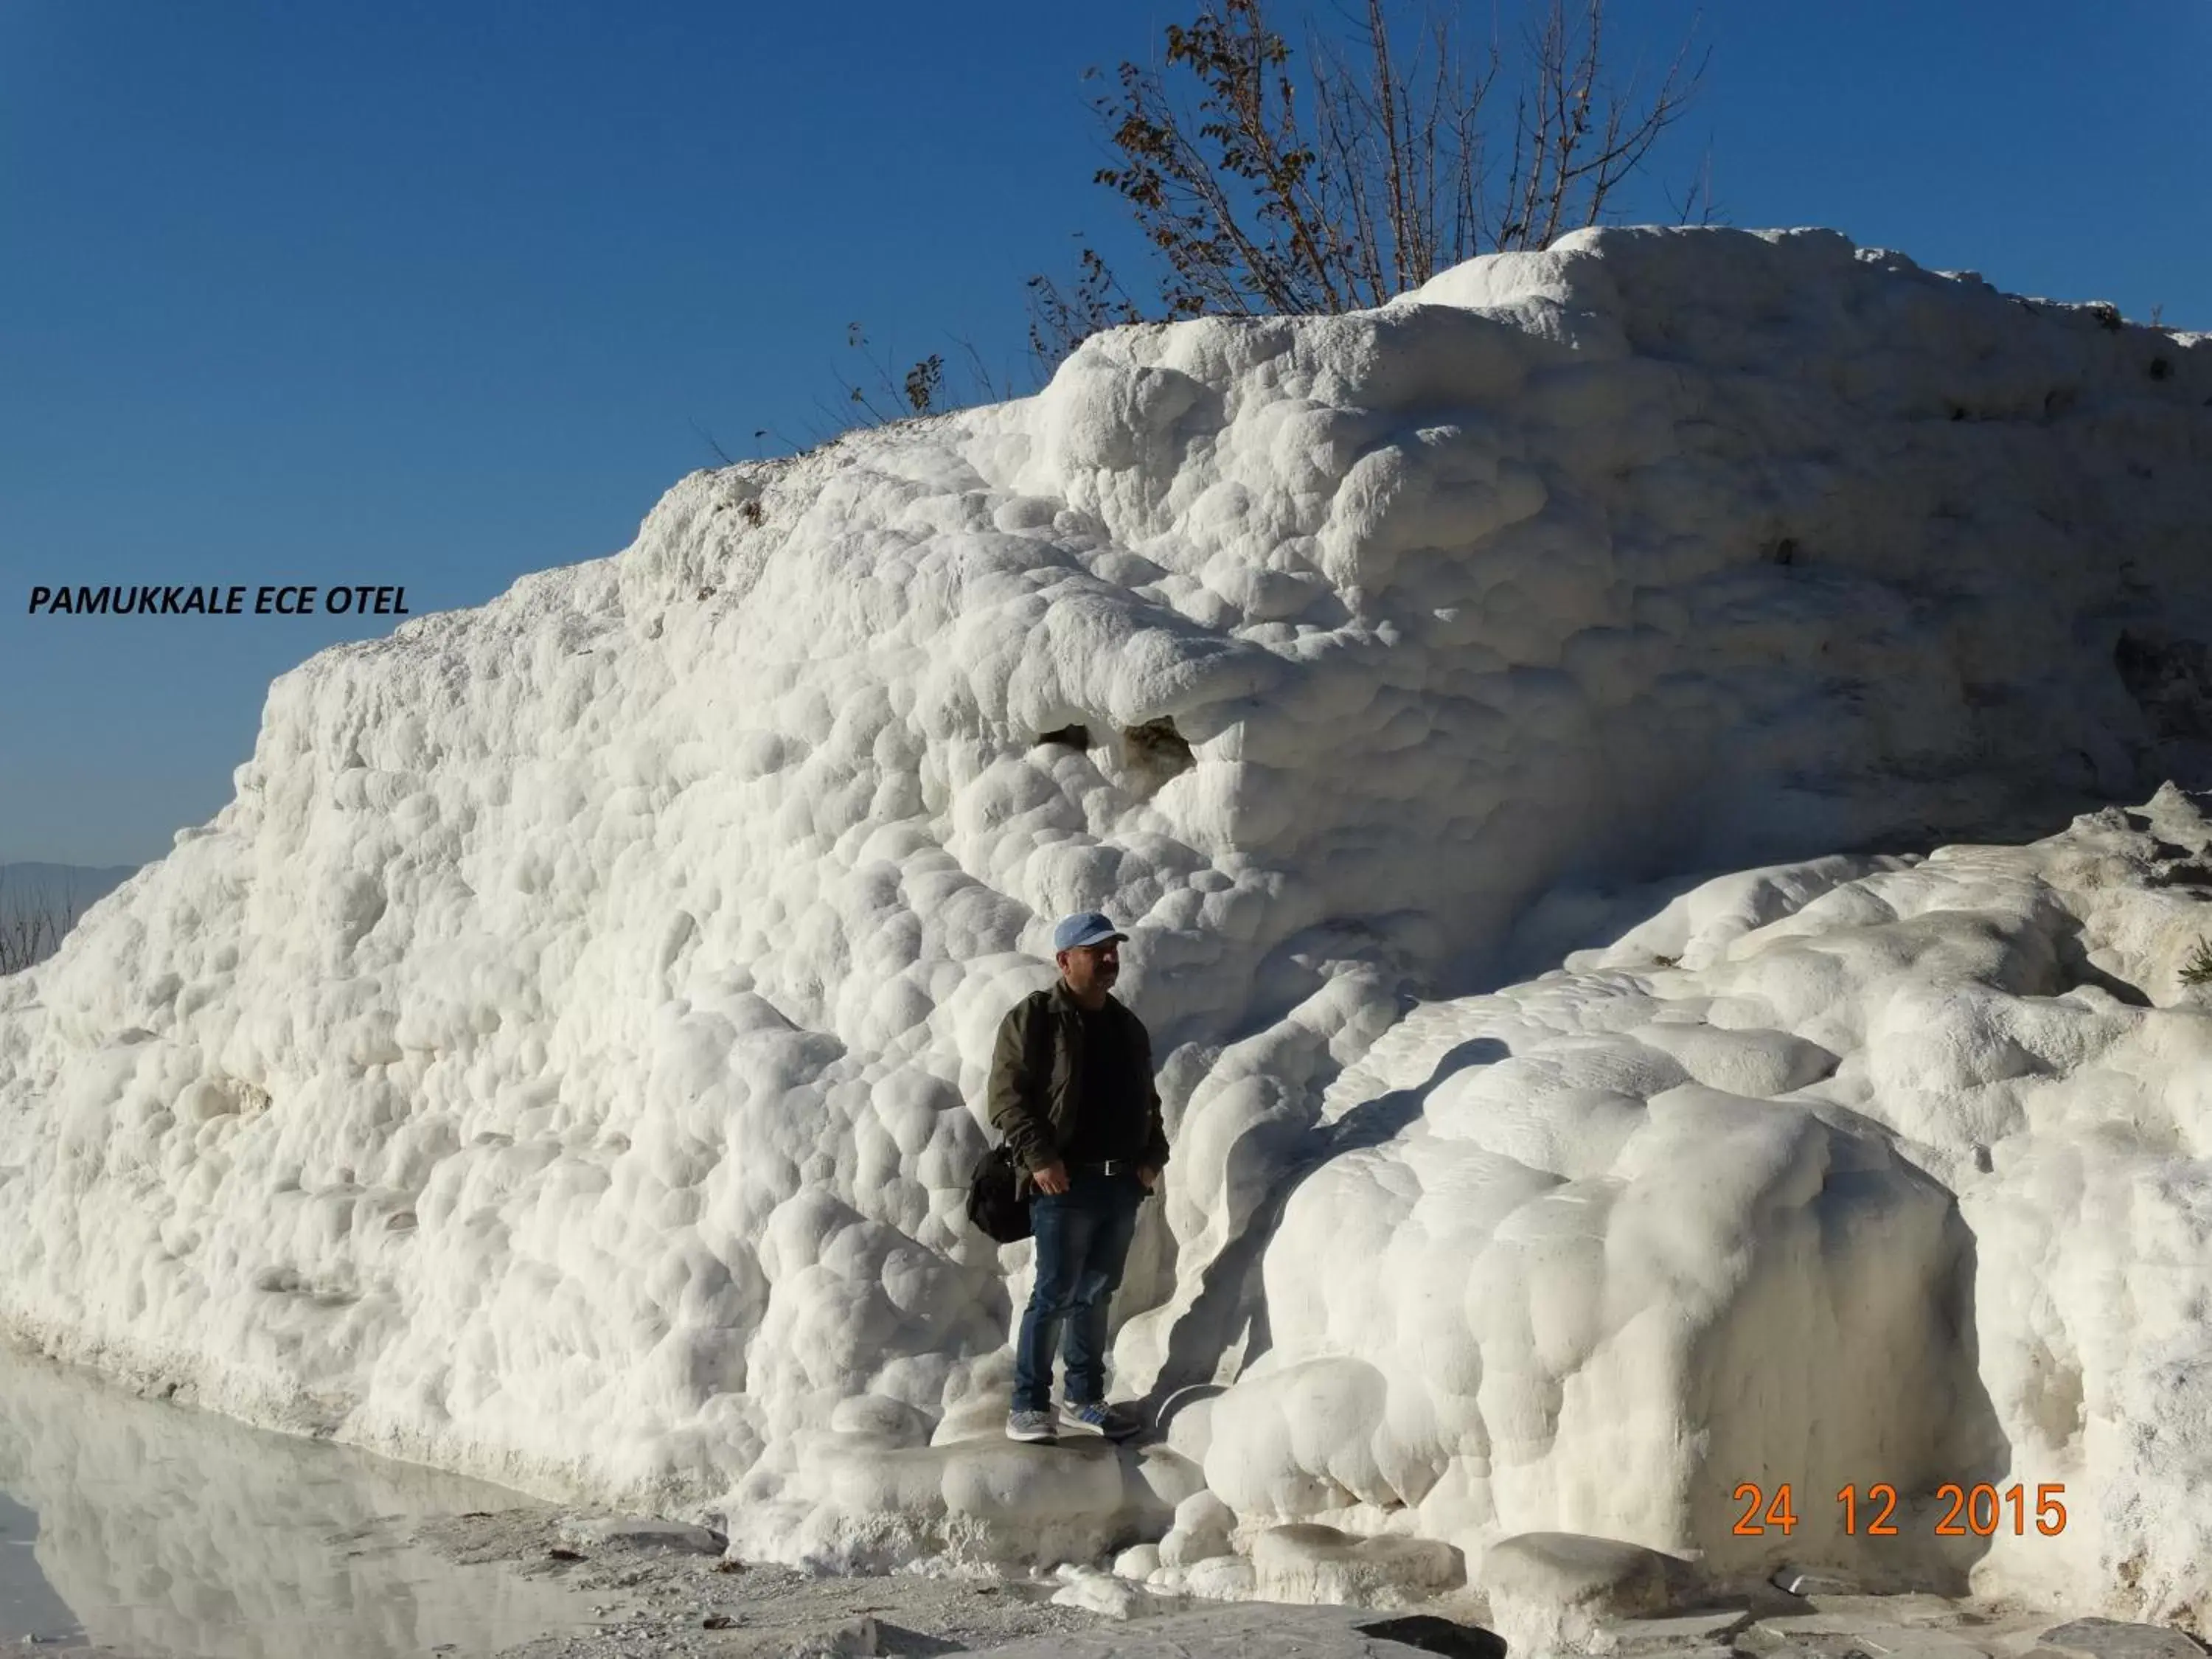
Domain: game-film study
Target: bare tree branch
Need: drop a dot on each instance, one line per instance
(33, 923)
(1255, 204)
(1061, 320)
(1392, 157)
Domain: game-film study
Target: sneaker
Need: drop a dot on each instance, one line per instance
(1038, 1428)
(1115, 1422)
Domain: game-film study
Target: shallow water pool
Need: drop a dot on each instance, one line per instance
(162, 1533)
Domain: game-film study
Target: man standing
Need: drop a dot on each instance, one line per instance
(1072, 1095)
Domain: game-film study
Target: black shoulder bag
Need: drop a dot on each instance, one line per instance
(992, 1203)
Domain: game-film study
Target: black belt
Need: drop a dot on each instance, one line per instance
(1112, 1166)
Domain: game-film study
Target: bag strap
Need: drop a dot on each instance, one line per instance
(1037, 1033)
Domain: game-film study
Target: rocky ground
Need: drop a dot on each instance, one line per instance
(657, 1588)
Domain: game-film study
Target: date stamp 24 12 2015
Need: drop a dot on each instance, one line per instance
(1975, 1511)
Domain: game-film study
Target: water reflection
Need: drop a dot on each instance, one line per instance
(28, 1606)
(158, 1531)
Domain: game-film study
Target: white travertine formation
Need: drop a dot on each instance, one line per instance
(1907, 1184)
(557, 1062)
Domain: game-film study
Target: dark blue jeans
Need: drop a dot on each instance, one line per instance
(1082, 1241)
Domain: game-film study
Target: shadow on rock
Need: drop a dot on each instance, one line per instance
(1431, 1634)
(1233, 1303)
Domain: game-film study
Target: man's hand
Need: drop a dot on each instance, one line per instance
(1051, 1179)
(1148, 1175)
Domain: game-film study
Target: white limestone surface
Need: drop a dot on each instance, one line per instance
(1908, 1184)
(559, 1060)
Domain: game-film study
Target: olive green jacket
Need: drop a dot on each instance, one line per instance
(1037, 1080)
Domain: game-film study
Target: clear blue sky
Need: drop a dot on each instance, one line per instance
(438, 292)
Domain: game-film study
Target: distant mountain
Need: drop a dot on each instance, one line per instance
(40, 903)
